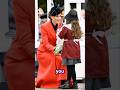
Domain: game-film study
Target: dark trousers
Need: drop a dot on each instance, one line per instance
(97, 83)
(71, 72)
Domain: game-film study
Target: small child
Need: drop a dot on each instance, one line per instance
(71, 34)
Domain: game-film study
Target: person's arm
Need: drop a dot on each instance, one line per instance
(44, 37)
(24, 31)
(63, 33)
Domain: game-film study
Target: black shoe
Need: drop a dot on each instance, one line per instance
(65, 85)
(75, 85)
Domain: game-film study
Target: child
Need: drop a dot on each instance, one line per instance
(71, 34)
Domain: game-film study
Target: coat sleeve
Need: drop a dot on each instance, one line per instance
(63, 33)
(45, 41)
(24, 32)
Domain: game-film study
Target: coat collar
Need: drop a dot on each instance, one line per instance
(50, 27)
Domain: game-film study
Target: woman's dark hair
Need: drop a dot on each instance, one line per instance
(55, 11)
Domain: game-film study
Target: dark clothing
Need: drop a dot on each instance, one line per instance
(96, 84)
(97, 59)
(71, 48)
(71, 72)
(23, 45)
(54, 26)
(70, 61)
(3, 86)
(2, 54)
(19, 60)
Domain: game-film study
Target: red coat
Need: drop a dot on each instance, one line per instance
(48, 62)
(71, 49)
(96, 54)
(19, 61)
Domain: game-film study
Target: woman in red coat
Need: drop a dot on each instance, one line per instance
(98, 20)
(48, 61)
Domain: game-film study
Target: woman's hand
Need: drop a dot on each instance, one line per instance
(57, 54)
(98, 33)
(57, 51)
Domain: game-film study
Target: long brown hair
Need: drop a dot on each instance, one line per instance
(101, 11)
(76, 30)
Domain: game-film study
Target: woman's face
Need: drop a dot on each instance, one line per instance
(57, 19)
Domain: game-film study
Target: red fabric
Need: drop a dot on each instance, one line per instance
(96, 54)
(48, 62)
(23, 45)
(19, 61)
(19, 75)
(71, 49)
